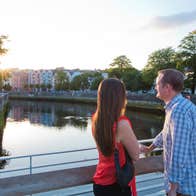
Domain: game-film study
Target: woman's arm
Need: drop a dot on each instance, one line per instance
(126, 136)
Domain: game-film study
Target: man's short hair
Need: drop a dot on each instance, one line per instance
(173, 77)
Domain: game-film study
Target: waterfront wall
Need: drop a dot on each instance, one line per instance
(133, 104)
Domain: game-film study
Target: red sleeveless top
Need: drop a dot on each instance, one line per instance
(106, 172)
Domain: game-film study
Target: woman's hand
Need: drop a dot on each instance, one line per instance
(146, 149)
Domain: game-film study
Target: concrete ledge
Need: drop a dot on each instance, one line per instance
(29, 184)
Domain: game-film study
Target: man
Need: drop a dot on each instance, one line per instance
(178, 137)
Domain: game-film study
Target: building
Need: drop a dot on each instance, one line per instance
(19, 80)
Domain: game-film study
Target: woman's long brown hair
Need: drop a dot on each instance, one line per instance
(110, 105)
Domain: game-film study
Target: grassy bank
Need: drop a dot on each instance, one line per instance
(144, 106)
(3, 116)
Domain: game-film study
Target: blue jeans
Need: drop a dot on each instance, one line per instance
(111, 190)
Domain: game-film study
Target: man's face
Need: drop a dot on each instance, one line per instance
(160, 88)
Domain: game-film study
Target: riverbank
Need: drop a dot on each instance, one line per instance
(135, 105)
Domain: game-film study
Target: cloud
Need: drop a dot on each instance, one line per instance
(172, 21)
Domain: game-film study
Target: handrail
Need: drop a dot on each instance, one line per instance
(31, 167)
(44, 154)
(144, 141)
(64, 178)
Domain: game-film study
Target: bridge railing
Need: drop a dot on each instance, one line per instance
(67, 177)
(31, 167)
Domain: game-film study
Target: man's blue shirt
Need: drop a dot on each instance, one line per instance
(178, 139)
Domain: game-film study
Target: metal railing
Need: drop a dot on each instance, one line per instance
(30, 157)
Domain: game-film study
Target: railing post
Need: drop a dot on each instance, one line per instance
(30, 164)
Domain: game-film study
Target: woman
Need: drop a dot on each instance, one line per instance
(112, 128)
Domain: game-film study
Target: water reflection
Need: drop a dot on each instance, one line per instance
(80, 122)
(53, 114)
(146, 125)
(35, 127)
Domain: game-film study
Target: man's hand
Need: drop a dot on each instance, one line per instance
(172, 193)
(173, 189)
(146, 149)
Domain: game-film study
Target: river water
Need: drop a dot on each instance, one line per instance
(40, 127)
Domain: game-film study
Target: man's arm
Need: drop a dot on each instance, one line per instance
(158, 142)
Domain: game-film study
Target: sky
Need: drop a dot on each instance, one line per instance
(89, 34)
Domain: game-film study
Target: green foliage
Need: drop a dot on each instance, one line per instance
(91, 80)
(188, 59)
(121, 68)
(3, 116)
(96, 80)
(4, 77)
(3, 50)
(75, 83)
(43, 86)
(84, 81)
(49, 86)
(37, 86)
(148, 76)
(80, 82)
(121, 62)
(114, 73)
(61, 80)
(188, 44)
(160, 59)
(7, 87)
(132, 78)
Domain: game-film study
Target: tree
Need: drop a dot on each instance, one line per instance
(75, 83)
(7, 87)
(43, 86)
(84, 82)
(49, 86)
(97, 78)
(160, 59)
(130, 76)
(188, 53)
(114, 73)
(132, 79)
(4, 77)
(121, 62)
(80, 82)
(61, 80)
(3, 50)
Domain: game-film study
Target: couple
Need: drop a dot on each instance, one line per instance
(110, 127)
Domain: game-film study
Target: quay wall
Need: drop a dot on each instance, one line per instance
(135, 105)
